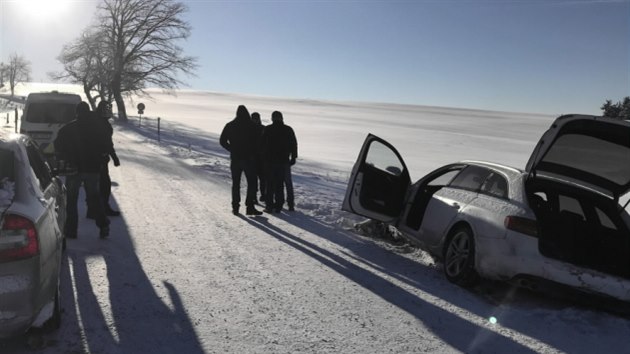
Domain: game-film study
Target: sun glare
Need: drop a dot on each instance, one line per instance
(43, 10)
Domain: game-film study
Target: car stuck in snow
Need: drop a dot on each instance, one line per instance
(563, 218)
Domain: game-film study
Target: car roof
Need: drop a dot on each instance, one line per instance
(53, 96)
(7, 137)
(510, 172)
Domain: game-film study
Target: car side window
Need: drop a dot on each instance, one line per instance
(571, 205)
(604, 220)
(384, 159)
(42, 172)
(495, 185)
(443, 179)
(470, 178)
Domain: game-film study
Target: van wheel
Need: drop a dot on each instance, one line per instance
(459, 258)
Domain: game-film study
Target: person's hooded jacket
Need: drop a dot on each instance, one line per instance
(240, 136)
(279, 143)
(82, 142)
(103, 114)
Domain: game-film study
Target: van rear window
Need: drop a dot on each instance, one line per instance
(50, 112)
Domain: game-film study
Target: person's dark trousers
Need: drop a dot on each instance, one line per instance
(288, 182)
(90, 182)
(269, 195)
(105, 186)
(262, 180)
(275, 192)
(238, 167)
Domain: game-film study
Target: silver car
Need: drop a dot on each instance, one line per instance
(32, 202)
(562, 219)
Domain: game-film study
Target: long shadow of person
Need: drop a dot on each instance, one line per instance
(109, 303)
(430, 280)
(460, 333)
(134, 318)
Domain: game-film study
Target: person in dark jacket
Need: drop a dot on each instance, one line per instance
(239, 137)
(279, 146)
(82, 143)
(261, 182)
(103, 113)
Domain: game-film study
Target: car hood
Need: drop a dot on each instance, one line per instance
(590, 151)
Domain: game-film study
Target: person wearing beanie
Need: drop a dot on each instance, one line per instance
(239, 137)
(261, 183)
(279, 146)
(103, 113)
(82, 144)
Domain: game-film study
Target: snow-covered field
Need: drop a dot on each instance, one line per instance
(181, 274)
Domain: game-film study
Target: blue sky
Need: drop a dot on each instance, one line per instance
(547, 56)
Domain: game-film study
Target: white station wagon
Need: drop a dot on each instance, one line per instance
(33, 214)
(562, 219)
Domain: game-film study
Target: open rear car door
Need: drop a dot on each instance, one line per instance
(576, 176)
(590, 151)
(379, 182)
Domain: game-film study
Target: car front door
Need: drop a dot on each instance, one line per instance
(379, 182)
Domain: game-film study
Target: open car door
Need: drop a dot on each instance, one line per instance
(379, 182)
(593, 152)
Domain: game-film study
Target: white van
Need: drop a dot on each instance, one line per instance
(44, 114)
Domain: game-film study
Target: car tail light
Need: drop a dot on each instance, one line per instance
(18, 239)
(523, 225)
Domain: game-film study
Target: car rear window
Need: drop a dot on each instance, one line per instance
(50, 112)
(599, 157)
(7, 180)
(7, 165)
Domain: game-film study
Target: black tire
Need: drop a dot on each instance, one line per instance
(459, 258)
(54, 322)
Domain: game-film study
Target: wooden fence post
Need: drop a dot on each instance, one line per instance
(158, 129)
(16, 119)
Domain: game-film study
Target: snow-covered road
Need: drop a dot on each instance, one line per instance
(181, 274)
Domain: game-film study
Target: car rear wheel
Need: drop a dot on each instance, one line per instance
(54, 322)
(459, 258)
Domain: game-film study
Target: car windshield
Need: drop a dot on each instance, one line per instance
(50, 112)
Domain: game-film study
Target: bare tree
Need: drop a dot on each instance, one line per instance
(86, 62)
(18, 70)
(2, 74)
(142, 37)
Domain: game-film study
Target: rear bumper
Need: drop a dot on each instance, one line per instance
(14, 327)
(17, 303)
(517, 256)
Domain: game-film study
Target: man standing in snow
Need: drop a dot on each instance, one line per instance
(82, 143)
(280, 149)
(103, 114)
(259, 164)
(239, 137)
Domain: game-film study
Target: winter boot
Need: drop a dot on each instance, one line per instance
(252, 211)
